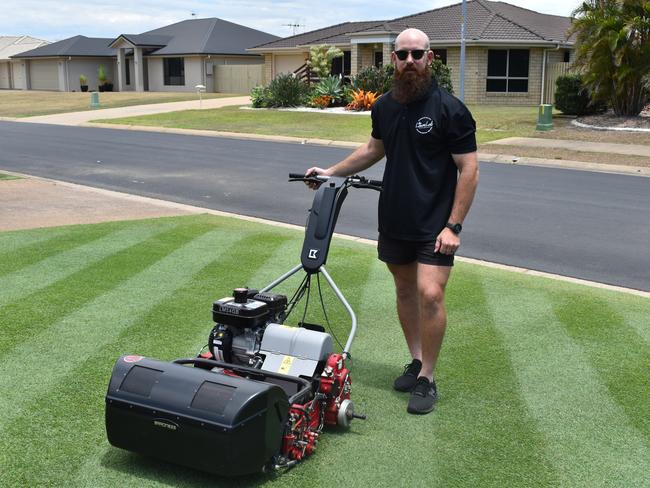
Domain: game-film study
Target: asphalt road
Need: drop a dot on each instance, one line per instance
(593, 226)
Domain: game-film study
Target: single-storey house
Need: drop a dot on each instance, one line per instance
(12, 72)
(512, 54)
(176, 57)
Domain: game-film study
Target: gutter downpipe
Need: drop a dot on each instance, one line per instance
(462, 53)
(67, 73)
(556, 48)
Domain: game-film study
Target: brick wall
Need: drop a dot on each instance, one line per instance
(355, 59)
(367, 55)
(387, 49)
(476, 59)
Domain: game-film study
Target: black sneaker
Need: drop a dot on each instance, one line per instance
(407, 381)
(423, 397)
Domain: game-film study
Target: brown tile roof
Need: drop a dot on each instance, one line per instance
(486, 21)
(550, 27)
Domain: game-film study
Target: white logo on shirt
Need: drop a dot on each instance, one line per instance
(424, 125)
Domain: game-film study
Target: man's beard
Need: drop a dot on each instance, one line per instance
(410, 84)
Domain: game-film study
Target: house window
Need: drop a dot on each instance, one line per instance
(342, 64)
(174, 71)
(440, 54)
(567, 55)
(127, 71)
(507, 70)
(379, 59)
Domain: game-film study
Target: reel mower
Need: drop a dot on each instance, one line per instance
(259, 397)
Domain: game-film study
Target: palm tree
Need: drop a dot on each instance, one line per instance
(613, 51)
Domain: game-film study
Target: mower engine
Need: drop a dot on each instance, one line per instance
(240, 324)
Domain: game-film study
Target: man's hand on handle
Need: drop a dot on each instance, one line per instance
(318, 171)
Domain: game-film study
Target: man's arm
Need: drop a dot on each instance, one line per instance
(362, 158)
(447, 242)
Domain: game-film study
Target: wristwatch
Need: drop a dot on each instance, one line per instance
(455, 228)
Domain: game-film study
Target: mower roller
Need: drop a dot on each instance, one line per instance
(258, 396)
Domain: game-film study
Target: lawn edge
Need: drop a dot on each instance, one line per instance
(362, 240)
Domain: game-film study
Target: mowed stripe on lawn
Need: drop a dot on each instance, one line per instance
(484, 422)
(590, 440)
(18, 250)
(620, 356)
(31, 314)
(176, 327)
(27, 280)
(31, 368)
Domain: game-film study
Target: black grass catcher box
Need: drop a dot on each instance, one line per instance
(191, 416)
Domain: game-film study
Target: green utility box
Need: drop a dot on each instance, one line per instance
(94, 99)
(545, 117)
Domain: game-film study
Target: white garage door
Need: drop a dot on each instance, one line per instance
(4, 75)
(288, 63)
(44, 74)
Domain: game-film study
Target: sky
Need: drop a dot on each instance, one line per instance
(60, 19)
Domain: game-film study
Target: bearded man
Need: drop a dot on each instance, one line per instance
(431, 175)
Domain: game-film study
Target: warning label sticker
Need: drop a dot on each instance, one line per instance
(285, 366)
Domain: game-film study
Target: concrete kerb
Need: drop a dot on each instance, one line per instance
(196, 209)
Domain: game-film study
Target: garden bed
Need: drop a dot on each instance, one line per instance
(609, 119)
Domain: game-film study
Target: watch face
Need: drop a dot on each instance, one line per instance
(455, 228)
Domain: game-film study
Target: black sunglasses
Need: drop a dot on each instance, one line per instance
(402, 54)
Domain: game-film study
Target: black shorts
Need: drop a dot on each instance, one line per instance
(397, 251)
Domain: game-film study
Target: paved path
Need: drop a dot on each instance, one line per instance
(586, 146)
(80, 118)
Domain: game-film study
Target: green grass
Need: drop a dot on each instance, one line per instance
(493, 122)
(542, 383)
(4, 176)
(21, 103)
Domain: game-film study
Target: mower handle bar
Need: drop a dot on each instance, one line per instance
(355, 181)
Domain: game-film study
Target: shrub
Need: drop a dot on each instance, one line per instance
(259, 97)
(362, 100)
(320, 59)
(101, 74)
(442, 73)
(287, 91)
(321, 101)
(83, 79)
(378, 80)
(572, 98)
(331, 87)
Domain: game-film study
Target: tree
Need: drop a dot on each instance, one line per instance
(613, 52)
(320, 59)
(442, 73)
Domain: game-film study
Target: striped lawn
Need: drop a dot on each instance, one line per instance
(542, 383)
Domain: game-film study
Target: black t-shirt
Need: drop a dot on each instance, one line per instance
(420, 174)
